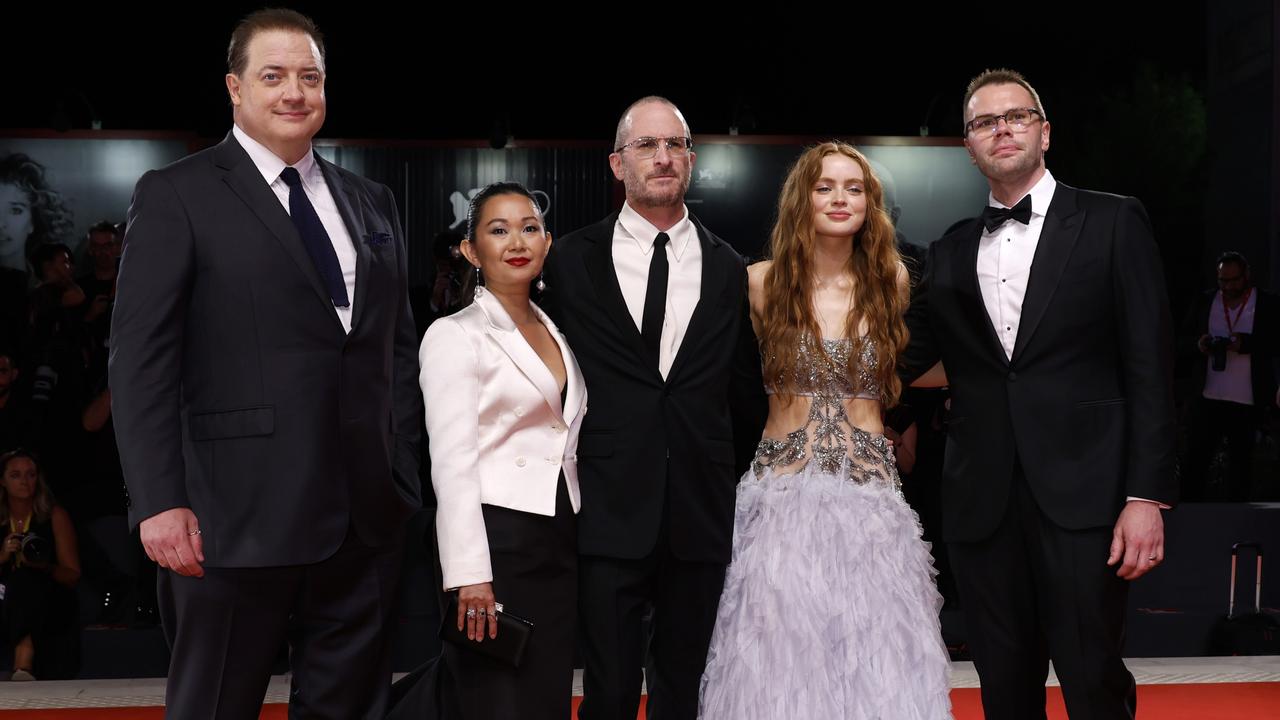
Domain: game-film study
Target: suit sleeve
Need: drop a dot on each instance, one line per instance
(451, 391)
(148, 324)
(1146, 356)
(922, 351)
(748, 405)
(406, 402)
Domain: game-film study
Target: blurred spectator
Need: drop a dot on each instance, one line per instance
(1232, 337)
(39, 566)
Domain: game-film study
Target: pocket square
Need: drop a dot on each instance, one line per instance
(377, 238)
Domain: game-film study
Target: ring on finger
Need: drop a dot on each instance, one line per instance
(471, 612)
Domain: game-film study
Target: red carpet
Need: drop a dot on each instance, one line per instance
(1223, 701)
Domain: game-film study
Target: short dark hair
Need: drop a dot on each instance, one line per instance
(102, 226)
(1232, 256)
(266, 20)
(1001, 76)
(45, 253)
(489, 192)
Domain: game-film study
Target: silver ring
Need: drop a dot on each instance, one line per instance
(471, 612)
(482, 611)
(195, 532)
(1151, 559)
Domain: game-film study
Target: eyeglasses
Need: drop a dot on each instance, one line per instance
(647, 147)
(1017, 119)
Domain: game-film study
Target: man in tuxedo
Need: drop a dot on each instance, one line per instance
(263, 376)
(655, 308)
(1232, 338)
(1050, 316)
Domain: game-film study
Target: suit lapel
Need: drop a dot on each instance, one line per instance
(598, 259)
(966, 281)
(713, 284)
(344, 196)
(242, 176)
(1057, 239)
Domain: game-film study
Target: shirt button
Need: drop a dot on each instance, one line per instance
(519, 411)
(1002, 279)
(520, 462)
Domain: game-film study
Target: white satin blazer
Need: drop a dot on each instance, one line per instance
(497, 433)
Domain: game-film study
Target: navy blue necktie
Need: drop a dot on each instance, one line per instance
(993, 217)
(313, 234)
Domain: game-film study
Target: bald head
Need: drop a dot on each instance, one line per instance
(623, 134)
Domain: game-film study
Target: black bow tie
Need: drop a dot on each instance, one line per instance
(993, 217)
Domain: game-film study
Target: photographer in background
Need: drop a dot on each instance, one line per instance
(39, 567)
(1232, 336)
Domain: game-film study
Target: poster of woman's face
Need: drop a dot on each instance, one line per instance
(54, 190)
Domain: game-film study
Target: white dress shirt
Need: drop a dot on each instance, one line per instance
(1235, 384)
(321, 199)
(632, 252)
(1004, 263)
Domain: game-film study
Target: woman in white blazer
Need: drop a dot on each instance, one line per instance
(504, 401)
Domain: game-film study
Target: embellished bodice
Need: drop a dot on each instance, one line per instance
(828, 438)
(821, 368)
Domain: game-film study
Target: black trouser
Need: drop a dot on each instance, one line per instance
(226, 629)
(1032, 591)
(1211, 422)
(534, 559)
(615, 595)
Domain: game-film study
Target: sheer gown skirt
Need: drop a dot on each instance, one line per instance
(829, 607)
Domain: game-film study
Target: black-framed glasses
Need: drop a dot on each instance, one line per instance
(646, 147)
(1017, 119)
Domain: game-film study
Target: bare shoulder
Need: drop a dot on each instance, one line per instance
(756, 274)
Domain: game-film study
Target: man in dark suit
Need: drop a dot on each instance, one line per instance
(1050, 316)
(1231, 337)
(655, 308)
(263, 376)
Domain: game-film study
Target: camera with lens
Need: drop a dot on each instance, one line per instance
(1218, 352)
(35, 550)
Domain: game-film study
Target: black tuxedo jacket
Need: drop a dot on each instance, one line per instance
(1085, 404)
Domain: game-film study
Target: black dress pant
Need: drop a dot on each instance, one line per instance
(1211, 422)
(1034, 591)
(534, 559)
(681, 598)
(226, 629)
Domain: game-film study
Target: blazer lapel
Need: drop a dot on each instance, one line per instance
(574, 392)
(245, 181)
(1057, 239)
(504, 331)
(344, 196)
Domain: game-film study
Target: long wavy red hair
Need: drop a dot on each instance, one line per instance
(875, 264)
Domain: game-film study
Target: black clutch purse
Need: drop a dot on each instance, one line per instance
(508, 648)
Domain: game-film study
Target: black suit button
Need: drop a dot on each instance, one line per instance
(1013, 376)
